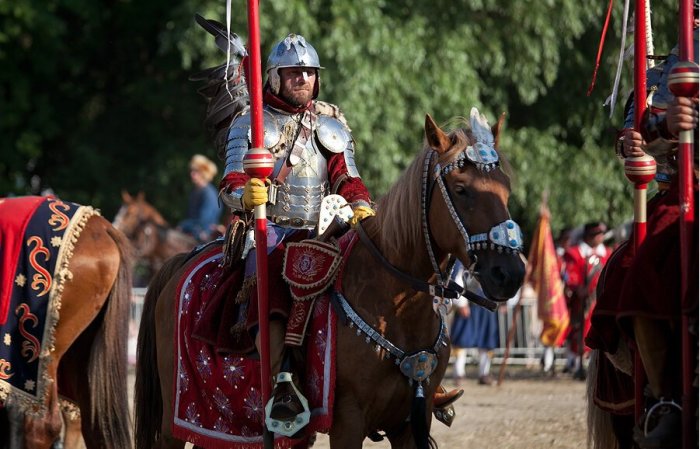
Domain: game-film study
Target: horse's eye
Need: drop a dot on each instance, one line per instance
(460, 190)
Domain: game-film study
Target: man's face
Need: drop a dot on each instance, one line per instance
(297, 84)
(596, 239)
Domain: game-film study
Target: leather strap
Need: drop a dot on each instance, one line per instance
(452, 290)
(300, 141)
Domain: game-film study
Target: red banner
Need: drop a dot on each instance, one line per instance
(545, 279)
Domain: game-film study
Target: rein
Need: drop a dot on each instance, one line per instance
(452, 290)
(504, 237)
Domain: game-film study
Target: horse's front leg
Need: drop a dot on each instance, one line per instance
(73, 434)
(41, 431)
(12, 427)
(348, 430)
(165, 329)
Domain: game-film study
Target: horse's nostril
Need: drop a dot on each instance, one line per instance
(499, 275)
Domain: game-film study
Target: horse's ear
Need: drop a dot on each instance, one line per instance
(496, 129)
(437, 139)
(140, 196)
(126, 198)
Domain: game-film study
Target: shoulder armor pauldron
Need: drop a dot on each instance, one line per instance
(240, 128)
(332, 134)
(239, 139)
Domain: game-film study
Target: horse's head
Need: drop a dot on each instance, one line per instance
(467, 196)
(136, 216)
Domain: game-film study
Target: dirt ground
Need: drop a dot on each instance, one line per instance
(528, 411)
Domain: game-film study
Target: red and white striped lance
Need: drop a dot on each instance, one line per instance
(258, 163)
(683, 82)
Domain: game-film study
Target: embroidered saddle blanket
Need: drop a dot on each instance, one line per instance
(217, 397)
(37, 235)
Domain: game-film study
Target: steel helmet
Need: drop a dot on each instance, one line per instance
(292, 51)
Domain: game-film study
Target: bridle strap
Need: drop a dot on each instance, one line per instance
(426, 195)
(453, 290)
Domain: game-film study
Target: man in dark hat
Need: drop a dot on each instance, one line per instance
(583, 263)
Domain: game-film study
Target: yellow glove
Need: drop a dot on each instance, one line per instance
(360, 213)
(254, 193)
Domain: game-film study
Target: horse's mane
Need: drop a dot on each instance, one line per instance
(398, 218)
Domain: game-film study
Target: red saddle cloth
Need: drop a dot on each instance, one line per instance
(217, 397)
(15, 213)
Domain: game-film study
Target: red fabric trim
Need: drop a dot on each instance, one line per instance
(233, 181)
(352, 189)
(15, 213)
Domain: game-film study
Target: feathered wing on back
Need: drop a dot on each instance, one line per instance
(225, 89)
(226, 42)
(480, 128)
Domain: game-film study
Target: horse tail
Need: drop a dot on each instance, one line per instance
(108, 354)
(148, 400)
(419, 424)
(600, 426)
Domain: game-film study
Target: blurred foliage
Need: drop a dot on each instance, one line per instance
(94, 96)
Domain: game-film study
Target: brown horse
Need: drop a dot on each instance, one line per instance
(446, 203)
(88, 361)
(153, 239)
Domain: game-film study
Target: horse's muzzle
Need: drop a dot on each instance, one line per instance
(502, 281)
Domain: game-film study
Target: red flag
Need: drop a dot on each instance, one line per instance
(545, 278)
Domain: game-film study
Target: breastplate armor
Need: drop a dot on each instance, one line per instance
(296, 202)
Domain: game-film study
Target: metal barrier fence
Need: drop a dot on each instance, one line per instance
(137, 295)
(525, 349)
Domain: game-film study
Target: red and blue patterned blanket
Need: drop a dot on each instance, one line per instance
(36, 241)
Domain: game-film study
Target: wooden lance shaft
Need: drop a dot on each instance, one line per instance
(640, 180)
(640, 171)
(683, 82)
(258, 163)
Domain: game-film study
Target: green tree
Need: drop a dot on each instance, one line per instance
(95, 96)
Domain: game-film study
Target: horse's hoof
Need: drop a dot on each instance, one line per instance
(580, 374)
(485, 380)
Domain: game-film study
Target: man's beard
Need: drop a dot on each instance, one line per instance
(297, 98)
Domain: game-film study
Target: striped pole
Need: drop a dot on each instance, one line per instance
(683, 82)
(258, 163)
(640, 171)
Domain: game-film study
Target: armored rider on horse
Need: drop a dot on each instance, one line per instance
(313, 152)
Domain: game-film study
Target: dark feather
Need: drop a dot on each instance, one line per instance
(222, 104)
(215, 72)
(221, 36)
